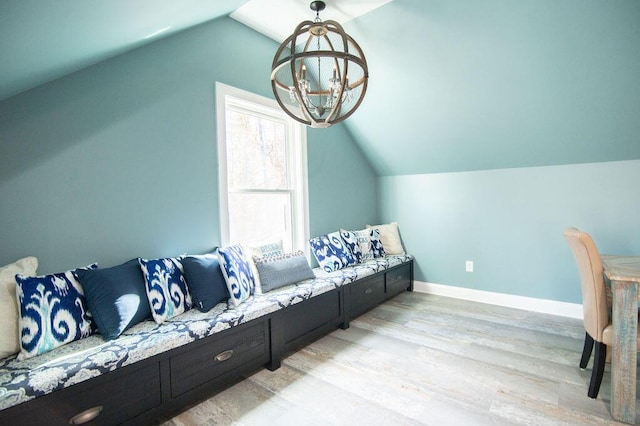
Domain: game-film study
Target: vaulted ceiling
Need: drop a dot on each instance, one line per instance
(454, 85)
(41, 40)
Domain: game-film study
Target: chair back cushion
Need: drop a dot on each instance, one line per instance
(594, 297)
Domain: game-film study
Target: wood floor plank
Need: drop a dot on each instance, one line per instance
(423, 360)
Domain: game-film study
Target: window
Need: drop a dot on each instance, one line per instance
(261, 170)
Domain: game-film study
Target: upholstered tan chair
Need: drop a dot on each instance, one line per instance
(595, 305)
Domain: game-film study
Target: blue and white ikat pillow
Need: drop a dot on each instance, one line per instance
(331, 252)
(351, 240)
(166, 287)
(376, 244)
(364, 244)
(52, 312)
(237, 273)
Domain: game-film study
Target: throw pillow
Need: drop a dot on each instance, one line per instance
(271, 249)
(353, 243)
(282, 270)
(53, 312)
(364, 244)
(376, 245)
(331, 252)
(166, 288)
(390, 238)
(205, 281)
(116, 297)
(237, 273)
(9, 340)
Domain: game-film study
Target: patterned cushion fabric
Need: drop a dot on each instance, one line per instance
(9, 340)
(364, 244)
(271, 249)
(53, 312)
(205, 281)
(390, 238)
(116, 297)
(166, 287)
(331, 252)
(282, 270)
(352, 241)
(237, 273)
(376, 245)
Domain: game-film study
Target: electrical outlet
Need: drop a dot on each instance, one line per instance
(469, 266)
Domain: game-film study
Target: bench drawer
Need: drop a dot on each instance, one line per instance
(305, 317)
(398, 279)
(233, 351)
(365, 294)
(105, 400)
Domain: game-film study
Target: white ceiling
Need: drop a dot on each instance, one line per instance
(278, 18)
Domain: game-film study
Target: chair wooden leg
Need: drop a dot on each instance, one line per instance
(586, 351)
(598, 369)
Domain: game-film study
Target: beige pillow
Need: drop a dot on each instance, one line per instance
(390, 238)
(9, 339)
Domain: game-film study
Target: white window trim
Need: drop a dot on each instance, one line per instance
(298, 168)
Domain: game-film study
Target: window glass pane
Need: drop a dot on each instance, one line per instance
(256, 152)
(257, 218)
(263, 174)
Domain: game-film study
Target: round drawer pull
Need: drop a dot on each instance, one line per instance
(368, 291)
(223, 356)
(86, 416)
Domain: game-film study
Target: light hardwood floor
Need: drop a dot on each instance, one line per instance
(421, 359)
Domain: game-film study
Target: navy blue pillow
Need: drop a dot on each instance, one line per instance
(116, 297)
(205, 281)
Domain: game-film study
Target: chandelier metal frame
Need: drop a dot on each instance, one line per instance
(302, 93)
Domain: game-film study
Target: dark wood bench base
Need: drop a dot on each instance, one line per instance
(157, 388)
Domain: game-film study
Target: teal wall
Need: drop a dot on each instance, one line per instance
(491, 84)
(510, 223)
(504, 123)
(119, 160)
(342, 184)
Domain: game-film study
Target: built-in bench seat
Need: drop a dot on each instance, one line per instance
(89, 358)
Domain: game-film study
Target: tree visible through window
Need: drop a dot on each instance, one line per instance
(262, 172)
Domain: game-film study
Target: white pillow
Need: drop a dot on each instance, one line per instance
(265, 250)
(9, 339)
(390, 238)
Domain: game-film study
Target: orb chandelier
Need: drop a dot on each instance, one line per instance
(319, 74)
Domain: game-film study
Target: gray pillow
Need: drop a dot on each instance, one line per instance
(281, 270)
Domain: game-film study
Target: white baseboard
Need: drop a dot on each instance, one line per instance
(571, 310)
